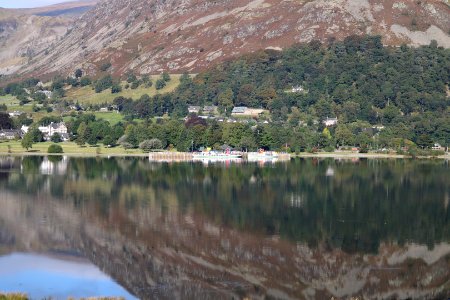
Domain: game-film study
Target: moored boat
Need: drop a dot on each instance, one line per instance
(216, 155)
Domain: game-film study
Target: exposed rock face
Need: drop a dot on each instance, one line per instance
(25, 33)
(22, 37)
(189, 35)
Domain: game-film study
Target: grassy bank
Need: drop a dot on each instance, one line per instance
(72, 149)
(69, 148)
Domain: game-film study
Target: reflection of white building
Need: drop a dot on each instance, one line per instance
(329, 172)
(48, 167)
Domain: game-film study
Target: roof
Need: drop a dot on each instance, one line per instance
(239, 109)
(209, 108)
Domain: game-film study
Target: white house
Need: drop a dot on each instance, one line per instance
(193, 109)
(330, 122)
(50, 130)
(297, 89)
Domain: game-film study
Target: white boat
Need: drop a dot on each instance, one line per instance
(216, 155)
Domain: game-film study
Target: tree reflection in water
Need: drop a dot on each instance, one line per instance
(301, 229)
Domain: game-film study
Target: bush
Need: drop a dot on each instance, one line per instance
(116, 88)
(364, 149)
(105, 67)
(160, 84)
(56, 138)
(55, 149)
(149, 145)
(85, 81)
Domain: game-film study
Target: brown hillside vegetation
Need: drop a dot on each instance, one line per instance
(176, 36)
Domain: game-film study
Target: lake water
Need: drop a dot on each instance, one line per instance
(306, 229)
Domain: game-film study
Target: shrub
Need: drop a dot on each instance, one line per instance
(56, 138)
(149, 145)
(85, 81)
(160, 84)
(55, 149)
(105, 66)
(116, 88)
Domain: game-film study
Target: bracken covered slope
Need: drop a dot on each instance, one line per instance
(149, 36)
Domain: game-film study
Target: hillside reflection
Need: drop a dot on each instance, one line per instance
(302, 229)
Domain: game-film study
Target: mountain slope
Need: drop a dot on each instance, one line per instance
(156, 35)
(26, 32)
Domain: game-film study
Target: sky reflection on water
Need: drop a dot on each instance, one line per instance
(42, 276)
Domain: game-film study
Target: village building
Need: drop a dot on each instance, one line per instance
(9, 134)
(15, 113)
(210, 110)
(248, 112)
(330, 122)
(49, 130)
(193, 109)
(297, 89)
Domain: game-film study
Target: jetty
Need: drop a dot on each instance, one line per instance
(173, 156)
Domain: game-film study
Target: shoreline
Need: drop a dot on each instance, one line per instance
(343, 155)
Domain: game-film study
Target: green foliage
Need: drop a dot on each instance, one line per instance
(27, 141)
(5, 121)
(116, 88)
(85, 81)
(78, 73)
(165, 76)
(103, 84)
(149, 145)
(56, 138)
(160, 84)
(54, 148)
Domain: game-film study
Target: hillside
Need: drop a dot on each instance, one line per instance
(67, 9)
(152, 36)
(25, 33)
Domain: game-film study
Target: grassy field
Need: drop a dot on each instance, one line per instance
(70, 148)
(86, 95)
(13, 104)
(112, 117)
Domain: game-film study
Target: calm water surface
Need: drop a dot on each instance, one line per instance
(307, 229)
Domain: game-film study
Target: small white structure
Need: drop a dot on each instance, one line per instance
(437, 146)
(297, 89)
(15, 113)
(193, 109)
(330, 122)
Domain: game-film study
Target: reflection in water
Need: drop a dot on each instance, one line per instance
(59, 276)
(374, 228)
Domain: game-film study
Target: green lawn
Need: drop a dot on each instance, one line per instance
(112, 117)
(86, 95)
(68, 148)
